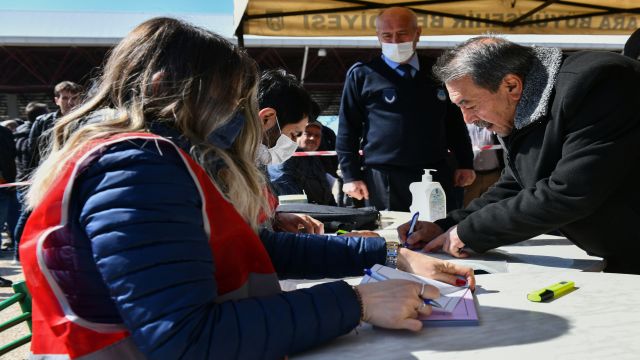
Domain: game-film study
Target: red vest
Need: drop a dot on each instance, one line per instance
(243, 268)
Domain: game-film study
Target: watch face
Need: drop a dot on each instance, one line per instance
(392, 254)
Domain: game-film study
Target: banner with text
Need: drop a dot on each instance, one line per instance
(339, 18)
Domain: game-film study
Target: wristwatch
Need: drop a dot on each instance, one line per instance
(392, 254)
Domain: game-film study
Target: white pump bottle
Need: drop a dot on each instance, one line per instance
(428, 198)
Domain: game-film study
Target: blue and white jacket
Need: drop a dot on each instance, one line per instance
(139, 255)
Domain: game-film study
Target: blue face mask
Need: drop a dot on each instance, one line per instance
(224, 136)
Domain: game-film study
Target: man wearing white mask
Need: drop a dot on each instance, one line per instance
(401, 118)
(284, 110)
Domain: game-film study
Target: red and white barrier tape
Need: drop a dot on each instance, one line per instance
(297, 153)
(315, 153)
(487, 147)
(333, 153)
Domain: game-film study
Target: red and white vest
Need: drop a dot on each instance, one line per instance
(243, 268)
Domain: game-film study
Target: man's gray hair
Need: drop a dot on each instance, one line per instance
(486, 59)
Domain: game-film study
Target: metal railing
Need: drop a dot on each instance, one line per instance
(23, 298)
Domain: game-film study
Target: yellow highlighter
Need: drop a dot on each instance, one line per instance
(551, 292)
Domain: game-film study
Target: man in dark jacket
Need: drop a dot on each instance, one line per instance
(400, 117)
(23, 149)
(571, 132)
(24, 163)
(7, 175)
(632, 46)
(66, 96)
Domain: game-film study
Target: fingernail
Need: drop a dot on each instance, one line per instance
(460, 282)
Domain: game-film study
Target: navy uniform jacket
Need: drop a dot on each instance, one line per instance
(405, 123)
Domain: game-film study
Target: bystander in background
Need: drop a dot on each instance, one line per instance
(7, 194)
(304, 174)
(486, 163)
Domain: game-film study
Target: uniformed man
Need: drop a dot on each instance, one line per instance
(402, 119)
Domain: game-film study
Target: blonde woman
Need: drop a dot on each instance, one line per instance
(134, 250)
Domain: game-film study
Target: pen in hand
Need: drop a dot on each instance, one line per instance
(412, 226)
(379, 277)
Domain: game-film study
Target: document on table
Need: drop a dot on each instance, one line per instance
(464, 314)
(449, 295)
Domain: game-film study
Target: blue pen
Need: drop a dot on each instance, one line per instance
(379, 277)
(412, 226)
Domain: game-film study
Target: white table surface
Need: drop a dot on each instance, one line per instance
(598, 320)
(541, 253)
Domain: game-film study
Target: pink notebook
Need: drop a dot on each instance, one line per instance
(464, 314)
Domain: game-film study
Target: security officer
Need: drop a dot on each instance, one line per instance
(402, 120)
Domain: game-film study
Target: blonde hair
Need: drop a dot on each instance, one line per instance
(188, 78)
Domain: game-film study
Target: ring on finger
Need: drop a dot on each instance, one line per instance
(422, 290)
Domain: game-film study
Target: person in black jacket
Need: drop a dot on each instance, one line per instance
(24, 165)
(570, 129)
(400, 117)
(304, 174)
(7, 158)
(487, 164)
(327, 142)
(7, 175)
(66, 96)
(23, 152)
(632, 46)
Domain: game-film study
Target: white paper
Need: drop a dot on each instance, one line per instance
(449, 295)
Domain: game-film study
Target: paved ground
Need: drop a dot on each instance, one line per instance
(13, 273)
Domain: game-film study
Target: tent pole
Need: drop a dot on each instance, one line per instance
(304, 64)
(241, 41)
(240, 34)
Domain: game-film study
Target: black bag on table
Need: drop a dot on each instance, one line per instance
(337, 218)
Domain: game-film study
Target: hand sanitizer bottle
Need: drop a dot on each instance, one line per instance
(428, 198)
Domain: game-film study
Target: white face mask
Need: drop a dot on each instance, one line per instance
(279, 153)
(398, 52)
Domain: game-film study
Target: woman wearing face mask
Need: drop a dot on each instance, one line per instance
(134, 250)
